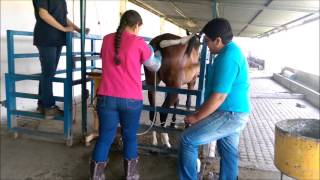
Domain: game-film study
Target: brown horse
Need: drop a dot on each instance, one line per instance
(180, 66)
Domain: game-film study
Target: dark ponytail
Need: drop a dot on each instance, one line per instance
(117, 43)
(129, 18)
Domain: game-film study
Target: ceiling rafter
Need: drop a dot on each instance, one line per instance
(259, 7)
(254, 17)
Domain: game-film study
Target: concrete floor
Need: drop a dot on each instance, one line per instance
(31, 159)
(28, 158)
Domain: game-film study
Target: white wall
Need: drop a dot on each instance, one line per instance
(297, 48)
(19, 15)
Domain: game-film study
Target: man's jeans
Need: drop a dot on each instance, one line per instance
(225, 127)
(49, 59)
(111, 112)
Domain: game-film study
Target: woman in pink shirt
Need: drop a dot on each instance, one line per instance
(120, 93)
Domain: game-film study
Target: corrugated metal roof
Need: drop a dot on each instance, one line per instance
(248, 18)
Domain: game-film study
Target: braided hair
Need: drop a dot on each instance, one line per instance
(129, 18)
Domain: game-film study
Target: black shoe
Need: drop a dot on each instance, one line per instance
(52, 112)
(40, 109)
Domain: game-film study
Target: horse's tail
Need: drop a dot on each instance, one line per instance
(155, 43)
(193, 43)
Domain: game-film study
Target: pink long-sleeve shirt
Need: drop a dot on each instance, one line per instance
(124, 80)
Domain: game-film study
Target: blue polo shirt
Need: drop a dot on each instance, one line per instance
(228, 74)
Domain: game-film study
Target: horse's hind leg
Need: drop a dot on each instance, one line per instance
(173, 122)
(191, 85)
(150, 80)
(171, 99)
(152, 115)
(151, 97)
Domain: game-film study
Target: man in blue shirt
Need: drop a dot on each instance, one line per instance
(225, 111)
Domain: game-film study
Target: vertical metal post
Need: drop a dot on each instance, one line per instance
(10, 46)
(201, 89)
(209, 67)
(214, 9)
(211, 146)
(68, 87)
(10, 82)
(83, 66)
(93, 64)
(9, 100)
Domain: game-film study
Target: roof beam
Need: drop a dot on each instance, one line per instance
(187, 1)
(189, 22)
(254, 17)
(232, 22)
(285, 26)
(156, 12)
(194, 18)
(259, 7)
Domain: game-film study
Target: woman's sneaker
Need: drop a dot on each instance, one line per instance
(52, 112)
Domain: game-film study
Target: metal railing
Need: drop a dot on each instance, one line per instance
(71, 57)
(12, 77)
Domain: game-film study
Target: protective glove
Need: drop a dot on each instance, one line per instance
(154, 62)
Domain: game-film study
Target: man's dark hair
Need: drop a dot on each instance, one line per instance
(218, 27)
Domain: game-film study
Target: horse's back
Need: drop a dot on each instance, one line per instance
(174, 62)
(155, 42)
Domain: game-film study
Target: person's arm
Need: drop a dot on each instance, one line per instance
(75, 27)
(224, 75)
(46, 16)
(154, 62)
(210, 106)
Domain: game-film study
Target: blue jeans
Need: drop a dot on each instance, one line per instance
(225, 127)
(49, 59)
(111, 112)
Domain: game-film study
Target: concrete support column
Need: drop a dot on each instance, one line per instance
(162, 25)
(215, 9)
(123, 6)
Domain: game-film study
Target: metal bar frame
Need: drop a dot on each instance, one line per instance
(201, 86)
(11, 77)
(68, 82)
(83, 66)
(93, 64)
